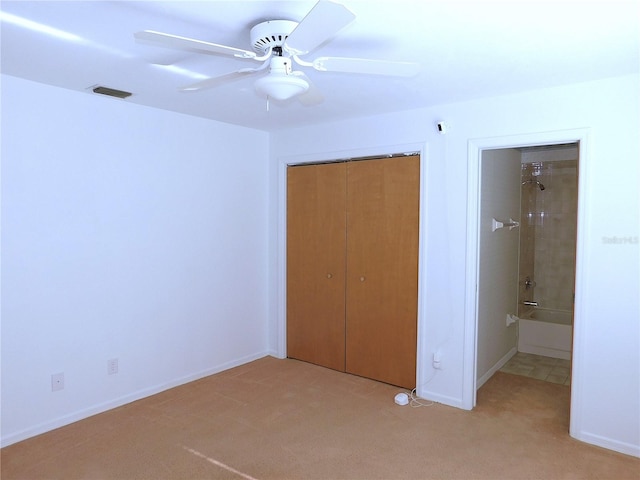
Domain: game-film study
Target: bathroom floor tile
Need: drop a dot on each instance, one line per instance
(560, 371)
(556, 379)
(541, 373)
(554, 370)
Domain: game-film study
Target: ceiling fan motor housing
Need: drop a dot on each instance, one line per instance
(271, 34)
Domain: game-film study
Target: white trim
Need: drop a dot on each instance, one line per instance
(475, 148)
(578, 372)
(604, 442)
(422, 352)
(470, 336)
(283, 162)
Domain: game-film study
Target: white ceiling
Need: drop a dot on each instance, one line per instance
(466, 50)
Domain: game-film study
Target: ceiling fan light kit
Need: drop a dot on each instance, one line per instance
(281, 83)
(281, 88)
(281, 42)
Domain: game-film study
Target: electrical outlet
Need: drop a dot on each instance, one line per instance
(112, 366)
(437, 360)
(57, 382)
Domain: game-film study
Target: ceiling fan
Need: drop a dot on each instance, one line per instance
(278, 44)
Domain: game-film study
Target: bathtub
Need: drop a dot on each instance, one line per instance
(546, 332)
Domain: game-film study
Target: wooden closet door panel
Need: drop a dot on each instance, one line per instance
(316, 248)
(382, 269)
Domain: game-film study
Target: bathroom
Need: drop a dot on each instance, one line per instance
(526, 261)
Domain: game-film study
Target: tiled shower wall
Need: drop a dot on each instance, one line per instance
(548, 229)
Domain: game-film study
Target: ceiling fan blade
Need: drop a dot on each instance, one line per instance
(365, 66)
(184, 43)
(313, 96)
(323, 21)
(219, 80)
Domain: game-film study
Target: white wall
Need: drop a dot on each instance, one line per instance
(497, 261)
(128, 233)
(606, 405)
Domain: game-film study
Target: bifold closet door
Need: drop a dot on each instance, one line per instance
(316, 247)
(383, 203)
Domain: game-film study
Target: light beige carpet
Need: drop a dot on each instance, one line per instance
(285, 419)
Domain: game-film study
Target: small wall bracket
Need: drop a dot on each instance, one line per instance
(511, 224)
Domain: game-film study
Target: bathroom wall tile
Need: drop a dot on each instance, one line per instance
(551, 215)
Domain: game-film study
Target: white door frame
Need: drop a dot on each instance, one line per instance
(475, 148)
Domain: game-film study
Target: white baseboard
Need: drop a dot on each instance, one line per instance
(599, 441)
(424, 393)
(118, 402)
(482, 380)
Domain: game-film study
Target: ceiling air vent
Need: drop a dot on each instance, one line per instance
(111, 92)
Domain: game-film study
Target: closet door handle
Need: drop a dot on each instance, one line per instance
(362, 278)
(329, 275)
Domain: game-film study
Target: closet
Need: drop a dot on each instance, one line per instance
(352, 266)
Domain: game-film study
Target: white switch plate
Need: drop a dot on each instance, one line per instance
(57, 382)
(112, 366)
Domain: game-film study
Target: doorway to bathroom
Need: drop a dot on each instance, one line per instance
(526, 263)
(482, 360)
(506, 299)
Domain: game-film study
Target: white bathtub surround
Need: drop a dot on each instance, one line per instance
(546, 332)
